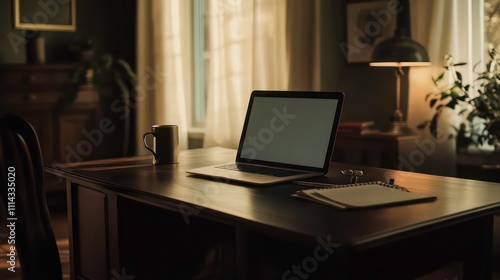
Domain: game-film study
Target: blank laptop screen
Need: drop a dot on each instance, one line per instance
(293, 131)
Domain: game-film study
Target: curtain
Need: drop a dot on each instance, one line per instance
(252, 44)
(255, 44)
(163, 66)
(303, 45)
(246, 52)
(453, 29)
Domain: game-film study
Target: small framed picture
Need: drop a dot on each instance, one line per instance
(45, 15)
(369, 23)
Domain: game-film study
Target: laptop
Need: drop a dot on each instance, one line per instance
(287, 135)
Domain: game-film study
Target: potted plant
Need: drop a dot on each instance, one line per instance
(476, 104)
(114, 80)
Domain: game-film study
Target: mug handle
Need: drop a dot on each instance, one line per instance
(145, 144)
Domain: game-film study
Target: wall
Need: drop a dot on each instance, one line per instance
(370, 92)
(109, 23)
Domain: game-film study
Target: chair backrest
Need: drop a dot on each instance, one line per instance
(21, 164)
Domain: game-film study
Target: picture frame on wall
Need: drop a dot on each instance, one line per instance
(369, 23)
(45, 15)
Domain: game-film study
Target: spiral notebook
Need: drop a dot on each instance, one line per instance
(362, 195)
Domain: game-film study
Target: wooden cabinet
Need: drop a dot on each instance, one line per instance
(40, 94)
(374, 149)
(477, 165)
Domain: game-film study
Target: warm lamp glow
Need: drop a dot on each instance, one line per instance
(398, 52)
(399, 64)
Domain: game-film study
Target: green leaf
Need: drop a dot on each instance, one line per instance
(452, 104)
(439, 78)
(433, 126)
(422, 125)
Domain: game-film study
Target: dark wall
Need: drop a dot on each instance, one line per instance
(370, 91)
(110, 24)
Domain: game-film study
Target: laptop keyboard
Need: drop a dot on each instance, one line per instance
(276, 172)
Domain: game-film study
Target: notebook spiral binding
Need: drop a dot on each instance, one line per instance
(397, 187)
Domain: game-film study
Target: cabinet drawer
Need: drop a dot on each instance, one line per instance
(90, 237)
(17, 100)
(36, 76)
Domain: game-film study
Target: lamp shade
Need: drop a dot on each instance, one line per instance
(399, 51)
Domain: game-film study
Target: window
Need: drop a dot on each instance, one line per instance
(492, 23)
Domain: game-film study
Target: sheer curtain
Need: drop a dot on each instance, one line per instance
(252, 44)
(453, 28)
(163, 66)
(247, 51)
(256, 44)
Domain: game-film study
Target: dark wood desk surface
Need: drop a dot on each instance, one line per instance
(115, 205)
(271, 209)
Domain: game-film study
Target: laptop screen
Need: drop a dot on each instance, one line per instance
(290, 128)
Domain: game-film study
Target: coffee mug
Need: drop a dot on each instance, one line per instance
(165, 143)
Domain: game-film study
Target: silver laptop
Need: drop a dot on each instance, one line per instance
(287, 135)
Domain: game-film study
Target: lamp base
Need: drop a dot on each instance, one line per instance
(398, 125)
(399, 128)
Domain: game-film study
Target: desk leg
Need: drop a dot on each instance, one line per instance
(70, 205)
(477, 263)
(113, 236)
(87, 217)
(241, 253)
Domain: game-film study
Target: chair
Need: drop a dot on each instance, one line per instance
(34, 238)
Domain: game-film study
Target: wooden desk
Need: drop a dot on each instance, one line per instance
(130, 218)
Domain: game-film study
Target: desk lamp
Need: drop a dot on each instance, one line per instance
(399, 51)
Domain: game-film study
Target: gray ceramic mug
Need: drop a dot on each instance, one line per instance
(165, 144)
